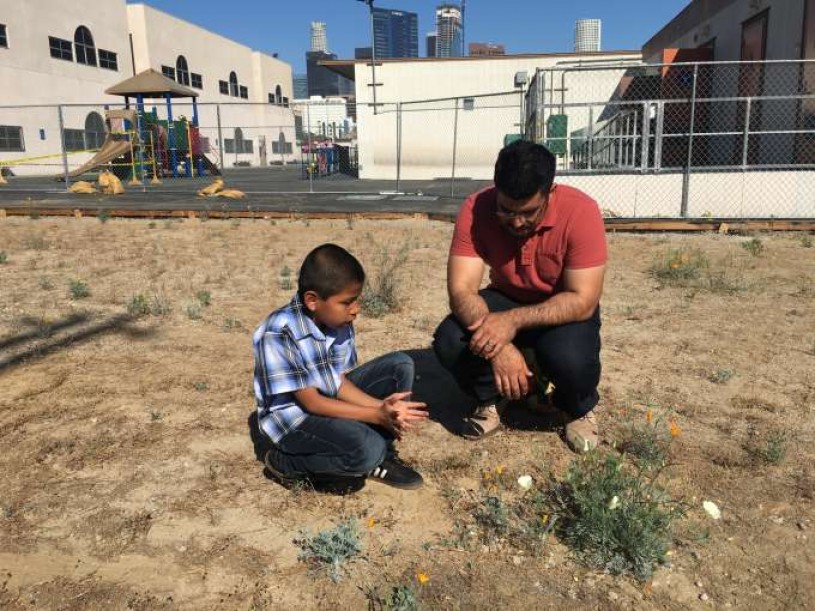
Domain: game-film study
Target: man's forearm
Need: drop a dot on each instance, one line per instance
(560, 309)
(468, 307)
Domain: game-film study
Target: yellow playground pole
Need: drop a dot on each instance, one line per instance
(133, 179)
(155, 180)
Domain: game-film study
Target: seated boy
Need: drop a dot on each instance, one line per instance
(324, 419)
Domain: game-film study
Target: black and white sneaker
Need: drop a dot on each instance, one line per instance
(396, 473)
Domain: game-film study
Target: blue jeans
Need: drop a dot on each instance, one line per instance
(568, 354)
(322, 445)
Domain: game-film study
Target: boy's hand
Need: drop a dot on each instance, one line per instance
(400, 414)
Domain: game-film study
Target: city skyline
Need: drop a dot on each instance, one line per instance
(626, 25)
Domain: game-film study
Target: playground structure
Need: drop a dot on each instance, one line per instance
(322, 159)
(139, 145)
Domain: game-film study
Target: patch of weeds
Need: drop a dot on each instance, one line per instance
(492, 517)
(770, 450)
(680, 266)
(193, 310)
(755, 246)
(155, 415)
(329, 549)
(151, 224)
(204, 298)
(78, 289)
(349, 222)
(37, 242)
(103, 216)
(285, 279)
(34, 215)
(806, 287)
(232, 324)
(398, 598)
(613, 517)
(235, 223)
(648, 438)
(806, 241)
(200, 386)
(159, 306)
(3, 257)
(721, 376)
(379, 295)
(46, 284)
(139, 305)
(203, 216)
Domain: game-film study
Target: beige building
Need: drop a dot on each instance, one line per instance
(59, 53)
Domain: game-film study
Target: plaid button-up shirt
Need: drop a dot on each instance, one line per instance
(292, 353)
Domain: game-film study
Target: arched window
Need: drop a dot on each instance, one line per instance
(278, 94)
(94, 131)
(182, 71)
(85, 49)
(233, 84)
(238, 140)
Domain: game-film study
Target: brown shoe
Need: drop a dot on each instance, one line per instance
(582, 435)
(484, 422)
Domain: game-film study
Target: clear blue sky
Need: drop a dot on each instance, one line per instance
(524, 26)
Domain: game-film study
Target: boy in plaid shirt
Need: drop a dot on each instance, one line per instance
(324, 417)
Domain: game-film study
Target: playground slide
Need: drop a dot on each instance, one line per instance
(110, 150)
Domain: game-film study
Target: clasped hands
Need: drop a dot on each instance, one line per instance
(399, 414)
(492, 339)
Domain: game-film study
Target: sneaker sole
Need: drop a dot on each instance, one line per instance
(413, 486)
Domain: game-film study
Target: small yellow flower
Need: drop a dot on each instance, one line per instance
(675, 430)
(422, 578)
(371, 522)
(544, 518)
(649, 416)
(499, 469)
(487, 475)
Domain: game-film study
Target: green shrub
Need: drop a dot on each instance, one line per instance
(103, 216)
(755, 246)
(680, 266)
(3, 257)
(379, 295)
(139, 305)
(79, 290)
(203, 297)
(330, 548)
(614, 517)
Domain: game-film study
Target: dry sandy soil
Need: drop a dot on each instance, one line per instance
(130, 480)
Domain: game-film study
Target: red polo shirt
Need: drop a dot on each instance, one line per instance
(570, 235)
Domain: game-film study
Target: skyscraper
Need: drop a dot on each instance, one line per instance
(430, 39)
(300, 82)
(319, 41)
(448, 30)
(396, 33)
(325, 82)
(587, 35)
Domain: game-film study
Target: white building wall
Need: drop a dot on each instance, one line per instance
(29, 76)
(427, 129)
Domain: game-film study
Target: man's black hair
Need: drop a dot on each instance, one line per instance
(328, 270)
(523, 168)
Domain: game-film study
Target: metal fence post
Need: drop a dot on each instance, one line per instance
(590, 143)
(646, 136)
(455, 144)
(683, 212)
(220, 138)
(746, 133)
(309, 169)
(62, 145)
(398, 144)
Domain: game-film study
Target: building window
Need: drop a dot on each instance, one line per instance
(3, 36)
(197, 81)
(74, 139)
(233, 84)
(61, 49)
(280, 146)
(278, 94)
(11, 138)
(85, 49)
(244, 92)
(223, 87)
(182, 71)
(285, 101)
(271, 98)
(468, 103)
(169, 72)
(108, 60)
(94, 131)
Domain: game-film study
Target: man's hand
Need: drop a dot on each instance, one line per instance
(491, 333)
(398, 414)
(511, 373)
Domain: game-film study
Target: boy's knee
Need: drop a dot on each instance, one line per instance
(449, 341)
(404, 367)
(367, 456)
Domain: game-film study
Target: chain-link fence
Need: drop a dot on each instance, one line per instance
(726, 139)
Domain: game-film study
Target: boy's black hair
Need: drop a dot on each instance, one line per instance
(328, 270)
(523, 168)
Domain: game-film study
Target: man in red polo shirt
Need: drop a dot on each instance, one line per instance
(546, 249)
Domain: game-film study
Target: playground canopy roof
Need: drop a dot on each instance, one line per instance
(151, 84)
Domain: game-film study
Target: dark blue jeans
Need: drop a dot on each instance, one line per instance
(568, 354)
(322, 445)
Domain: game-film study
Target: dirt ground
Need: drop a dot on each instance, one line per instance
(129, 478)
